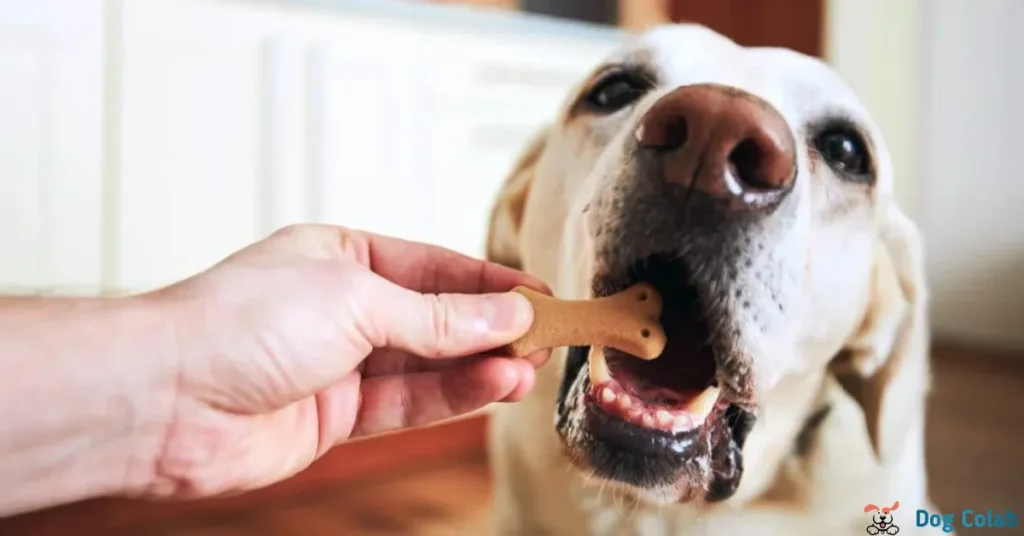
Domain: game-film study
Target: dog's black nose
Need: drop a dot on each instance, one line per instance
(721, 141)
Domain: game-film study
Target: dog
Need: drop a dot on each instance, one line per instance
(751, 187)
(881, 520)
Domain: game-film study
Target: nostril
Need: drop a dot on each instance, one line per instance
(721, 142)
(748, 161)
(676, 133)
(666, 134)
(760, 165)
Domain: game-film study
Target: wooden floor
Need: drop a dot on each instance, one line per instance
(976, 434)
(447, 500)
(975, 455)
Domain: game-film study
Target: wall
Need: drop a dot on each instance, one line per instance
(970, 186)
(943, 79)
(51, 145)
(873, 44)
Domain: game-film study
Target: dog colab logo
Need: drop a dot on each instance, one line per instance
(968, 518)
(881, 519)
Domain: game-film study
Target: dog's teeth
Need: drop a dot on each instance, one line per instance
(648, 421)
(664, 417)
(636, 415)
(625, 402)
(701, 406)
(681, 423)
(607, 395)
(598, 365)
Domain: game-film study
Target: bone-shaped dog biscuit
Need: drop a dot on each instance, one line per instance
(627, 321)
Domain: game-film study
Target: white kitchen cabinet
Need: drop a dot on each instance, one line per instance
(368, 150)
(238, 118)
(188, 138)
(147, 139)
(51, 143)
(487, 96)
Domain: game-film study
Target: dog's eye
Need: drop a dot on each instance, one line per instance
(844, 151)
(615, 92)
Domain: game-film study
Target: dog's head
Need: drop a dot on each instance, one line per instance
(752, 189)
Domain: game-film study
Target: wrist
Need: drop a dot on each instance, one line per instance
(89, 395)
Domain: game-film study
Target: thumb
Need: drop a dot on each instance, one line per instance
(446, 325)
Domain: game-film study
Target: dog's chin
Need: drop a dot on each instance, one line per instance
(666, 430)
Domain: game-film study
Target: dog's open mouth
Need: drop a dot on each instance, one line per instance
(665, 422)
(677, 391)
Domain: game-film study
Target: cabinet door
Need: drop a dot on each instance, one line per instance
(417, 123)
(490, 93)
(367, 123)
(189, 136)
(51, 157)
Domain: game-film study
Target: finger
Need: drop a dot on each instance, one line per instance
(337, 407)
(387, 361)
(390, 361)
(395, 402)
(442, 325)
(527, 379)
(313, 240)
(413, 265)
(538, 358)
(434, 269)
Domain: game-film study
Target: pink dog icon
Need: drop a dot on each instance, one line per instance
(881, 521)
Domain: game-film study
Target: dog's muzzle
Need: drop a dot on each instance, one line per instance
(710, 161)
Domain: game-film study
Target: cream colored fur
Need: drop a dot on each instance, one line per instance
(863, 347)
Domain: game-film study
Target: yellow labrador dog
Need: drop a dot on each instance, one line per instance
(752, 189)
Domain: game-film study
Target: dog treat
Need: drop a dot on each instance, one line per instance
(627, 321)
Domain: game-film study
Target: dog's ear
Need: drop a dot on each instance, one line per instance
(507, 213)
(884, 366)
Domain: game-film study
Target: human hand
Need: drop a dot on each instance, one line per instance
(319, 334)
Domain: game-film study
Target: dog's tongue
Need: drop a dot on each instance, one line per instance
(882, 524)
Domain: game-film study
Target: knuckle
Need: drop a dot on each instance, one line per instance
(304, 231)
(291, 230)
(440, 324)
(323, 241)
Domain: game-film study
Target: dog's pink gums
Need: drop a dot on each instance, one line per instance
(613, 399)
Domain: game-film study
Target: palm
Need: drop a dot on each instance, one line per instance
(397, 390)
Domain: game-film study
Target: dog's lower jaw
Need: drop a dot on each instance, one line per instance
(708, 468)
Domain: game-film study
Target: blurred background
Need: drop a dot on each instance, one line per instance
(143, 140)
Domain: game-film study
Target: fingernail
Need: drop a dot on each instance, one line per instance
(510, 311)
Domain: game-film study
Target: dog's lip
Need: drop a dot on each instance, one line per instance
(699, 411)
(670, 411)
(716, 446)
(705, 463)
(701, 459)
(721, 401)
(611, 429)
